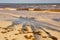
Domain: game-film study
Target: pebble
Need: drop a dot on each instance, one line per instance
(38, 32)
(25, 29)
(54, 38)
(28, 37)
(3, 32)
(13, 39)
(44, 36)
(19, 31)
(16, 33)
(7, 39)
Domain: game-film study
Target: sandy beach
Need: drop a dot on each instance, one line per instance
(29, 25)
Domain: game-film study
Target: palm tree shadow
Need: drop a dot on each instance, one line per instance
(16, 22)
(35, 28)
(46, 26)
(13, 24)
(50, 36)
(31, 26)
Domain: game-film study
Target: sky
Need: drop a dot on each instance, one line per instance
(29, 1)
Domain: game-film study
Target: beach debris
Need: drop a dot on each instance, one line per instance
(33, 38)
(13, 39)
(44, 36)
(16, 33)
(7, 39)
(25, 29)
(19, 31)
(38, 32)
(28, 37)
(0, 27)
(3, 32)
(53, 37)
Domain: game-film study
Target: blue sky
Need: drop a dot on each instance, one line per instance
(29, 1)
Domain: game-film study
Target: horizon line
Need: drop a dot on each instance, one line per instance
(29, 3)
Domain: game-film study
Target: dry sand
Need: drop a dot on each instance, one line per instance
(15, 33)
